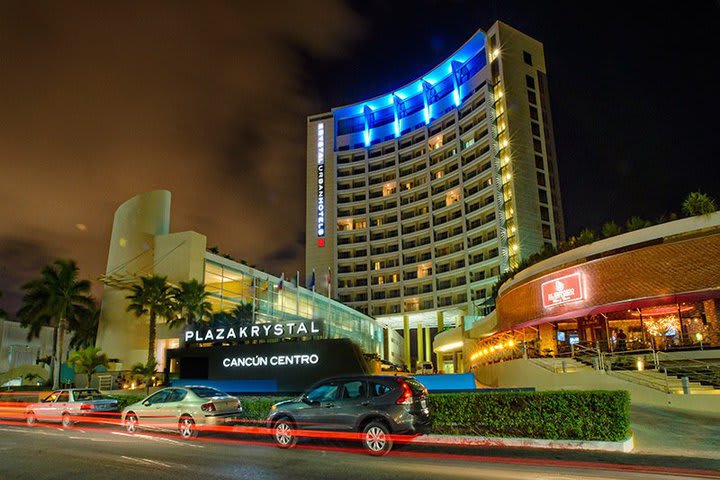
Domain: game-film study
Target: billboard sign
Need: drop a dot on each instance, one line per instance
(563, 290)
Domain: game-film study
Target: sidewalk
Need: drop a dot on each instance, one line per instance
(660, 431)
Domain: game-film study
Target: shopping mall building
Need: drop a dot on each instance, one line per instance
(639, 297)
(267, 334)
(419, 198)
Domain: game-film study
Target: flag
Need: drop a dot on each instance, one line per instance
(282, 280)
(265, 285)
(328, 281)
(311, 284)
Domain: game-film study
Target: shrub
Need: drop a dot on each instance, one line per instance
(557, 415)
(258, 408)
(127, 399)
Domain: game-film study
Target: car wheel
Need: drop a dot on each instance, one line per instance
(131, 423)
(284, 433)
(376, 438)
(187, 427)
(67, 421)
(31, 419)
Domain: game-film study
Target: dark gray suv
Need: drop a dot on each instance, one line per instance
(377, 407)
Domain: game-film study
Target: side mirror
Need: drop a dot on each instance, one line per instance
(147, 403)
(306, 400)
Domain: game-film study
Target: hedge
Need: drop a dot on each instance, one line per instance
(554, 415)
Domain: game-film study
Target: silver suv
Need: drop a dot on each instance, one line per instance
(375, 407)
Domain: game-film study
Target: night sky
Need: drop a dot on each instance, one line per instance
(100, 101)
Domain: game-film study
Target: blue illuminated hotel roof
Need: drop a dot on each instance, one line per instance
(472, 47)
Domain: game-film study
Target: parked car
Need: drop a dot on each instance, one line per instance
(71, 406)
(182, 409)
(424, 368)
(374, 406)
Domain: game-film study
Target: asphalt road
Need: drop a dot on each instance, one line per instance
(98, 453)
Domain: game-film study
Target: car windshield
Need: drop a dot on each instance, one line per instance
(83, 395)
(207, 392)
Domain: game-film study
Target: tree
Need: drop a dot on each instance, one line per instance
(86, 329)
(697, 203)
(3, 313)
(145, 372)
(32, 377)
(636, 223)
(610, 229)
(151, 297)
(88, 360)
(586, 237)
(191, 304)
(58, 298)
(243, 314)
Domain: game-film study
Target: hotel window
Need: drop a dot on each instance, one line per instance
(535, 129)
(545, 214)
(533, 112)
(527, 58)
(452, 197)
(435, 142)
(529, 81)
(537, 145)
(424, 270)
(546, 231)
(532, 98)
(539, 162)
(541, 179)
(542, 194)
(360, 224)
(389, 189)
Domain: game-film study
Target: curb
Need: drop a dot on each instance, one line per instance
(624, 446)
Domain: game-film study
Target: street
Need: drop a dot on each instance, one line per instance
(48, 452)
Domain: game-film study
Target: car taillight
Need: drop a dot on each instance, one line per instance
(86, 406)
(406, 396)
(207, 407)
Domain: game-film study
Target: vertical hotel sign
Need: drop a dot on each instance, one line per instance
(563, 290)
(321, 184)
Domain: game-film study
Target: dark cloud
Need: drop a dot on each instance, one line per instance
(20, 259)
(101, 101)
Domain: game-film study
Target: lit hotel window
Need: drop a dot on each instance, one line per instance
(389, 189)
(452, 197)
(435, 142)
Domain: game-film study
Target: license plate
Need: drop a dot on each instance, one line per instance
(423, 403)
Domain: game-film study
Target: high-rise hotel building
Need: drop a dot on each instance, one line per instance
(417, 199)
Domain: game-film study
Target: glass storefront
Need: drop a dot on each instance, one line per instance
(243, 292)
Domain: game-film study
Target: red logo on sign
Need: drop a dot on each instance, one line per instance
(562, 290)
(321, 242)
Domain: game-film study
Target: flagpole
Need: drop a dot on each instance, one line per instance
(297, 292)
(254, 294)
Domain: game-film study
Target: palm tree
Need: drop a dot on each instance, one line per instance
(610, 229)
(243, 314)
(636, 223)
(586, 237)
(697, 203)
(145, 372)
(3, 313)
(86, 329)
(58, 298)
(191, 303)
(88, 360)
(152, 297)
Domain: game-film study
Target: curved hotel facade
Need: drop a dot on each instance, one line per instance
(417, 199)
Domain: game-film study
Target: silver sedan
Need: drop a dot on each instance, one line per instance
(182, 409)
(71, 406)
